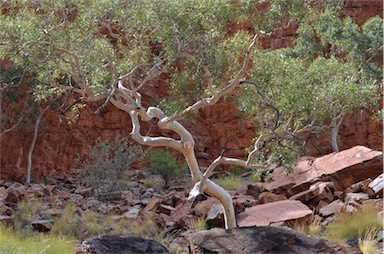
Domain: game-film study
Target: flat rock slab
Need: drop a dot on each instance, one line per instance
(111, 244)
(343, 169)
(265, 214)
(259, 240)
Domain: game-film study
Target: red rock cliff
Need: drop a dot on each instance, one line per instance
(59, 143)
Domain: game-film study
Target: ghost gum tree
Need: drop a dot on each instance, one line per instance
(110, 50)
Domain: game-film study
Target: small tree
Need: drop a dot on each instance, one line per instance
(110, 50)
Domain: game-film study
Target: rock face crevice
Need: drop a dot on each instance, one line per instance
(59, 144)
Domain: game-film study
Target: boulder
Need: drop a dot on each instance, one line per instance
(215, 216)
(331, 208)
(259, 240)
(133, 212)
(316, 193)
(342, 168)
(269, 197)
(7, 220)
(111, 244)
(42, 225)
(377, 184)
(16, 192)
(265, 214)
(3, 193)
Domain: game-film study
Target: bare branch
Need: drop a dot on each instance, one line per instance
(13, 127)
(226, 90)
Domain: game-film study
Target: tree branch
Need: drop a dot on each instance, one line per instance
(216, 96)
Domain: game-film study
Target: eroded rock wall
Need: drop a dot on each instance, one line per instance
(59, 143)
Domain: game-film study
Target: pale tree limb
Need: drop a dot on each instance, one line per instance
(216, 96)
(13, 127)
(33, 143)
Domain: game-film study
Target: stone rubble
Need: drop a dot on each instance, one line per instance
(326, 186)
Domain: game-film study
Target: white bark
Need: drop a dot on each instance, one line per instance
(129, 100)
(33, 143)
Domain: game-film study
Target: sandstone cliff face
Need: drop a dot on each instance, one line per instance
(59, 143)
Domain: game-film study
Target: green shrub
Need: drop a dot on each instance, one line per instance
(352, 225)
(368, 243)
(163, 163)
(95, 224)
(12, 242)
(230, 182)
(68, 224)
(26, 213)
(107, 162)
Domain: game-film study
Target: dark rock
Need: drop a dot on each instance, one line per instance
(259, 240)
(16, 192)
(110, 244)
(7, 220)
(215, 216)
(317, 194)
(42, 225)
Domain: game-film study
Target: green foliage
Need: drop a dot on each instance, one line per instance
(13, 242)
(310, 225)
(68, 224)
(163, 163)
(26, 213)
(354, 225)
(198, 224)
(107, 162)
(230, 182)
(331, 70)
(368, 243)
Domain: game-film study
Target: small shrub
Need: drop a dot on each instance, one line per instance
(104, 170)
(235, 171)
(351, 225)
(25, 214)
(149, 184)
(12, 242)
(163, 163)
(368, 243)
(198, 224)
(230, 182)
(309, 226)
(95, 224)
(68, 224)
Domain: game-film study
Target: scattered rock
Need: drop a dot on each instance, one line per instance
(215, 216)
(265, 214)
(3, 193)
(166, 209)
(7, 220)
(343, 169)
(133, 212)
(16, 192)
(269, 197)
(332, 208)
(109, 244)
(42, 225)
(5, 210)
(259, 240)
(358, 197)
(377, 184)
(316, 193)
